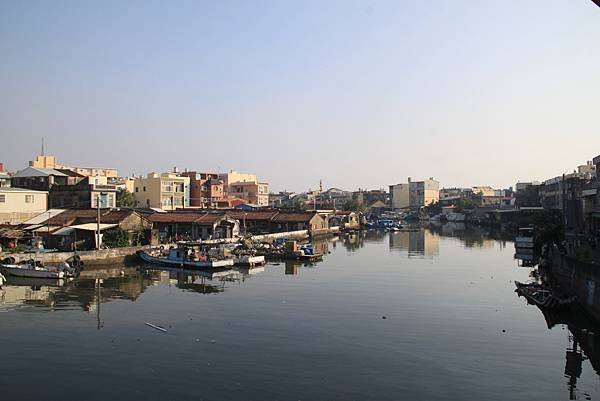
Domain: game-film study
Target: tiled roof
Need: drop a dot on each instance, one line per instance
(294, 216)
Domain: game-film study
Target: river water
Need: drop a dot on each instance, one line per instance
(419, 315)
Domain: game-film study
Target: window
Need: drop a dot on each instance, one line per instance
(137, 189)
(28, 198)
(144, 189)
(2, 198)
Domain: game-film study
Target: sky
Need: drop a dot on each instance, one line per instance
(358, 94)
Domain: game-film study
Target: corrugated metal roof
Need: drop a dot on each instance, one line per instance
(93, 226)
(38, 172)
(42, 217)
(294, 217)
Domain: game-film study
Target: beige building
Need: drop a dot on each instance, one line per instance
(167, 191)
(415, 194)
(235, 177)
(48, 161)
(484, 191)
(18, 205)
(245, 186)
(256, 193)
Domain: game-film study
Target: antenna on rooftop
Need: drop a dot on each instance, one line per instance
(42, 146)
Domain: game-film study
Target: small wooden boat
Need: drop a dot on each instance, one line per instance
(179, 257)
(537, 294)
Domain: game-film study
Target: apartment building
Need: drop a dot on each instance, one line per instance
(415, 194)
(167, 191)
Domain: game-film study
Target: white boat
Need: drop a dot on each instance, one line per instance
(248, 260)
(179, 257)
(526, 238)
(455, 217)
(30, 270)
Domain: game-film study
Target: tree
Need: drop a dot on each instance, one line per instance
(125, 198)
(117, 238)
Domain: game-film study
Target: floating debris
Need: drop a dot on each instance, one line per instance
(156, 327)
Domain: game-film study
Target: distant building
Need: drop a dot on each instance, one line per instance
(206, 189)
(455, 193)
(484, 191)
(415, 194)
(48, 161)
(256, 193)
(522, 185)
(167, 191)
(38, 178)
(84, 194)
(4, 177)
(20, 204)
(245, 186)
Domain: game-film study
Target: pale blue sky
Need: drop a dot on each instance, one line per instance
(356, 93)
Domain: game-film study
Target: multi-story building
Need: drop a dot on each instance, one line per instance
(4, 177)
(245, 186)
(86, 193)
(206, 189)
(234, 177)
(167, 191)
(48, 161)
(455, 193)
(256, 193)
(40, 179)
(19, 204)
(415, 194)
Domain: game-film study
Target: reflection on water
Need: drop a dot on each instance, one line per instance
(452, 320)
(126, 283)
(415, 242)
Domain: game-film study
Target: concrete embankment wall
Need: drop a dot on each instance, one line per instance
(89, 258)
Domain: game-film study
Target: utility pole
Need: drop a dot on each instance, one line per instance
(98, 221)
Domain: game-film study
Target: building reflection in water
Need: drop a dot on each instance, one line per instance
(96, 286)
(415, 242)
(581, 320)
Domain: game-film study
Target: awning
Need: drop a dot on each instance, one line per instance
(93, 226)
(64, 231)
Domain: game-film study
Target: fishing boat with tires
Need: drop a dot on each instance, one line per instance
(187, 256)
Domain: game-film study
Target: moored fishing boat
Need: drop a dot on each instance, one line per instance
(34, 271)
(183, 257)
(542, 297)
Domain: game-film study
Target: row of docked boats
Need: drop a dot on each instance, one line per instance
(200, 256)
(36, 269)
(210, 256)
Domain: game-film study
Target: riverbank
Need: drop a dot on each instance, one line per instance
(127, 255)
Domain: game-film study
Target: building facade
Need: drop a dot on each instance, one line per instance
(48, 161)
(18, 204)
(167, 191)
(84, 194)
(206, 189)
(256, 193)
(415, 194)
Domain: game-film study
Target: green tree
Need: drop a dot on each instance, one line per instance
(117, 238)
(125, 198)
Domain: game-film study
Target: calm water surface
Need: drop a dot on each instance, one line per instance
(423, 315)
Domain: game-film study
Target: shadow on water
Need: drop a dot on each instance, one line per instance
(582, 319)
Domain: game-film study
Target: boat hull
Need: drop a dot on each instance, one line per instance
(204, 264)
(249, 260)
(18, 271)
